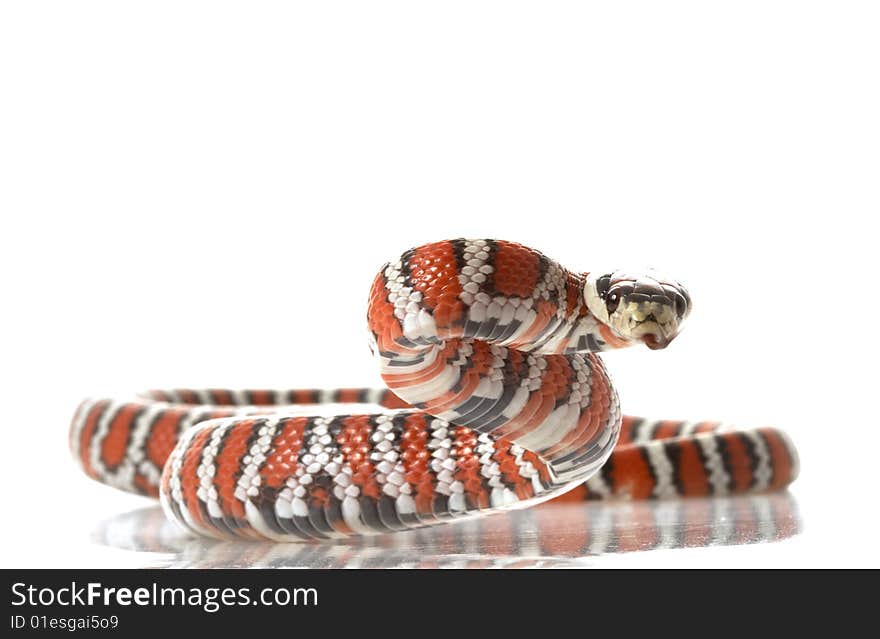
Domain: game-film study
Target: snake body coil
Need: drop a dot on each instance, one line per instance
(497, 400)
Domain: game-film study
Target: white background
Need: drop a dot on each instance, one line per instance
(199, 193)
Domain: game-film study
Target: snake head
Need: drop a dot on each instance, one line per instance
(647, 307)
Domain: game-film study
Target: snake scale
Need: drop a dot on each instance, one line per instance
(497, 399)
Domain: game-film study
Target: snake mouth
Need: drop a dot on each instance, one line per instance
(656, 342)
(655, 335)
(653, 324)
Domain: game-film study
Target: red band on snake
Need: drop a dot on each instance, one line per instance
(498, 399)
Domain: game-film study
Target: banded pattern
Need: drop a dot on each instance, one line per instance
(662, 459)
(497, 399)
(125, 443)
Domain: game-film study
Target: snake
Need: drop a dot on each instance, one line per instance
(496, 399)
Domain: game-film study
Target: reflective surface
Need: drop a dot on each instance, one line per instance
(566, 535)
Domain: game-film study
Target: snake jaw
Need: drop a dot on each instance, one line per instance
(655, 343)
(655, 324)
(654, 335)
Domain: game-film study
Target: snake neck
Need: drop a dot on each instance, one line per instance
(498, 292)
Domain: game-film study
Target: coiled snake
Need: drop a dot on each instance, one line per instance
(498, 399)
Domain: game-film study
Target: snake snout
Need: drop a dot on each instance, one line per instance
(655, 334)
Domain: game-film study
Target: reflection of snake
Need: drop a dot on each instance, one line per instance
(490, 350)
(551, 535)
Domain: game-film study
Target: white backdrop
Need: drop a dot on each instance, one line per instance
(199, 193)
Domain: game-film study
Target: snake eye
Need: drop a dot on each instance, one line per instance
(611, 302)
(602, 285)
